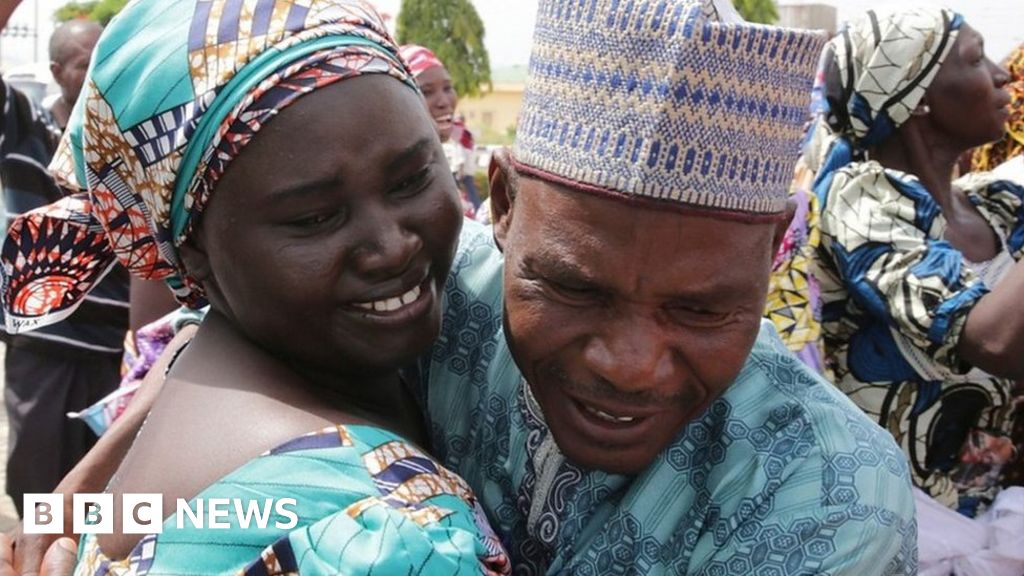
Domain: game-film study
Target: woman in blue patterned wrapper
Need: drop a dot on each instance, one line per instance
(277, 164)
(920, 276)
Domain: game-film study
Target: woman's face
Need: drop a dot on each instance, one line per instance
(436, 85)
(966, 98)
(329, 238)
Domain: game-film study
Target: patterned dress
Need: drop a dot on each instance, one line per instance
(782, 474)
(896, 297)
(793, 303)
(366, 501)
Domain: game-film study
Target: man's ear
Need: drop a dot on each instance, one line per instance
(503, 181)
(55, 71)
(782, 225)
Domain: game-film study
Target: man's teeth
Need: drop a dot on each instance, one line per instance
(608, 417)
(391, 304)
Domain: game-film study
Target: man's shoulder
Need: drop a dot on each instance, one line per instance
(783, 459)
(816, 445)
(471, 309)
(26, 128)
(788, 390)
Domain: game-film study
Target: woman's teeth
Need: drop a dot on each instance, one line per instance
(391, 304)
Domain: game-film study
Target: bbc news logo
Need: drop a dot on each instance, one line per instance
(143, 513)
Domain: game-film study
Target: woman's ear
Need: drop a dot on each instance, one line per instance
(503, 180)
(195, 259)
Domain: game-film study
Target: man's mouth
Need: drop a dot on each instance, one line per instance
(611, 418)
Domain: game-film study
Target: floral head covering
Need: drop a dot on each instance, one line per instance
(993, 154)
(175, 90)
(419, 59)
(876, 71)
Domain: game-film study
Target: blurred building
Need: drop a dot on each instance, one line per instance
(492, 116)
(815, 16)
(34, 80)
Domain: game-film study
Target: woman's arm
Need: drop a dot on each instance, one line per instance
(150, 301)
(993, 338)
(93, 472)
(59, 559)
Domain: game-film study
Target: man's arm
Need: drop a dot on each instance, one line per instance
(94, 471)
(833, 540)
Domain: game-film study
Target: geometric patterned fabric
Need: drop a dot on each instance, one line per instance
(896, 296)
(793, 303)
(676, 101)
(366, 502)
(175, 90)
(781, 475)
(885, 62)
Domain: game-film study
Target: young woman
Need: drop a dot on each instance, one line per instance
(279, 166)
(441, 99)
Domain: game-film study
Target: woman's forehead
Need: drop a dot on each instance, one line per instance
(350, 114)
(351, 128)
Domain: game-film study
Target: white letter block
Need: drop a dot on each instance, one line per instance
(93, 514)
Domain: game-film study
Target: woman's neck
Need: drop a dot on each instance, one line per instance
(916, 150)
(379, 397)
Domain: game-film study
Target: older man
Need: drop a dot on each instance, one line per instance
(629, 411)
(606, 385)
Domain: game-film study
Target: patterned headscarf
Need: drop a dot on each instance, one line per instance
(993, 154)
(174, 92)
(419, 59)
(876, 72)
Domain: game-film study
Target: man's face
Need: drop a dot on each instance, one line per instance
(627, 321)
(69, 72)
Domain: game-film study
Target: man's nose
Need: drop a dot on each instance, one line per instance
(634, 354)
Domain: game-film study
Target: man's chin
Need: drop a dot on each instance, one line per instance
(624, 461)
(611, 463)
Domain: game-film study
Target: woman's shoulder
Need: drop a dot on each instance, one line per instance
(320, 493)
(1001, 189)
(864, 184)
(870, 179)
